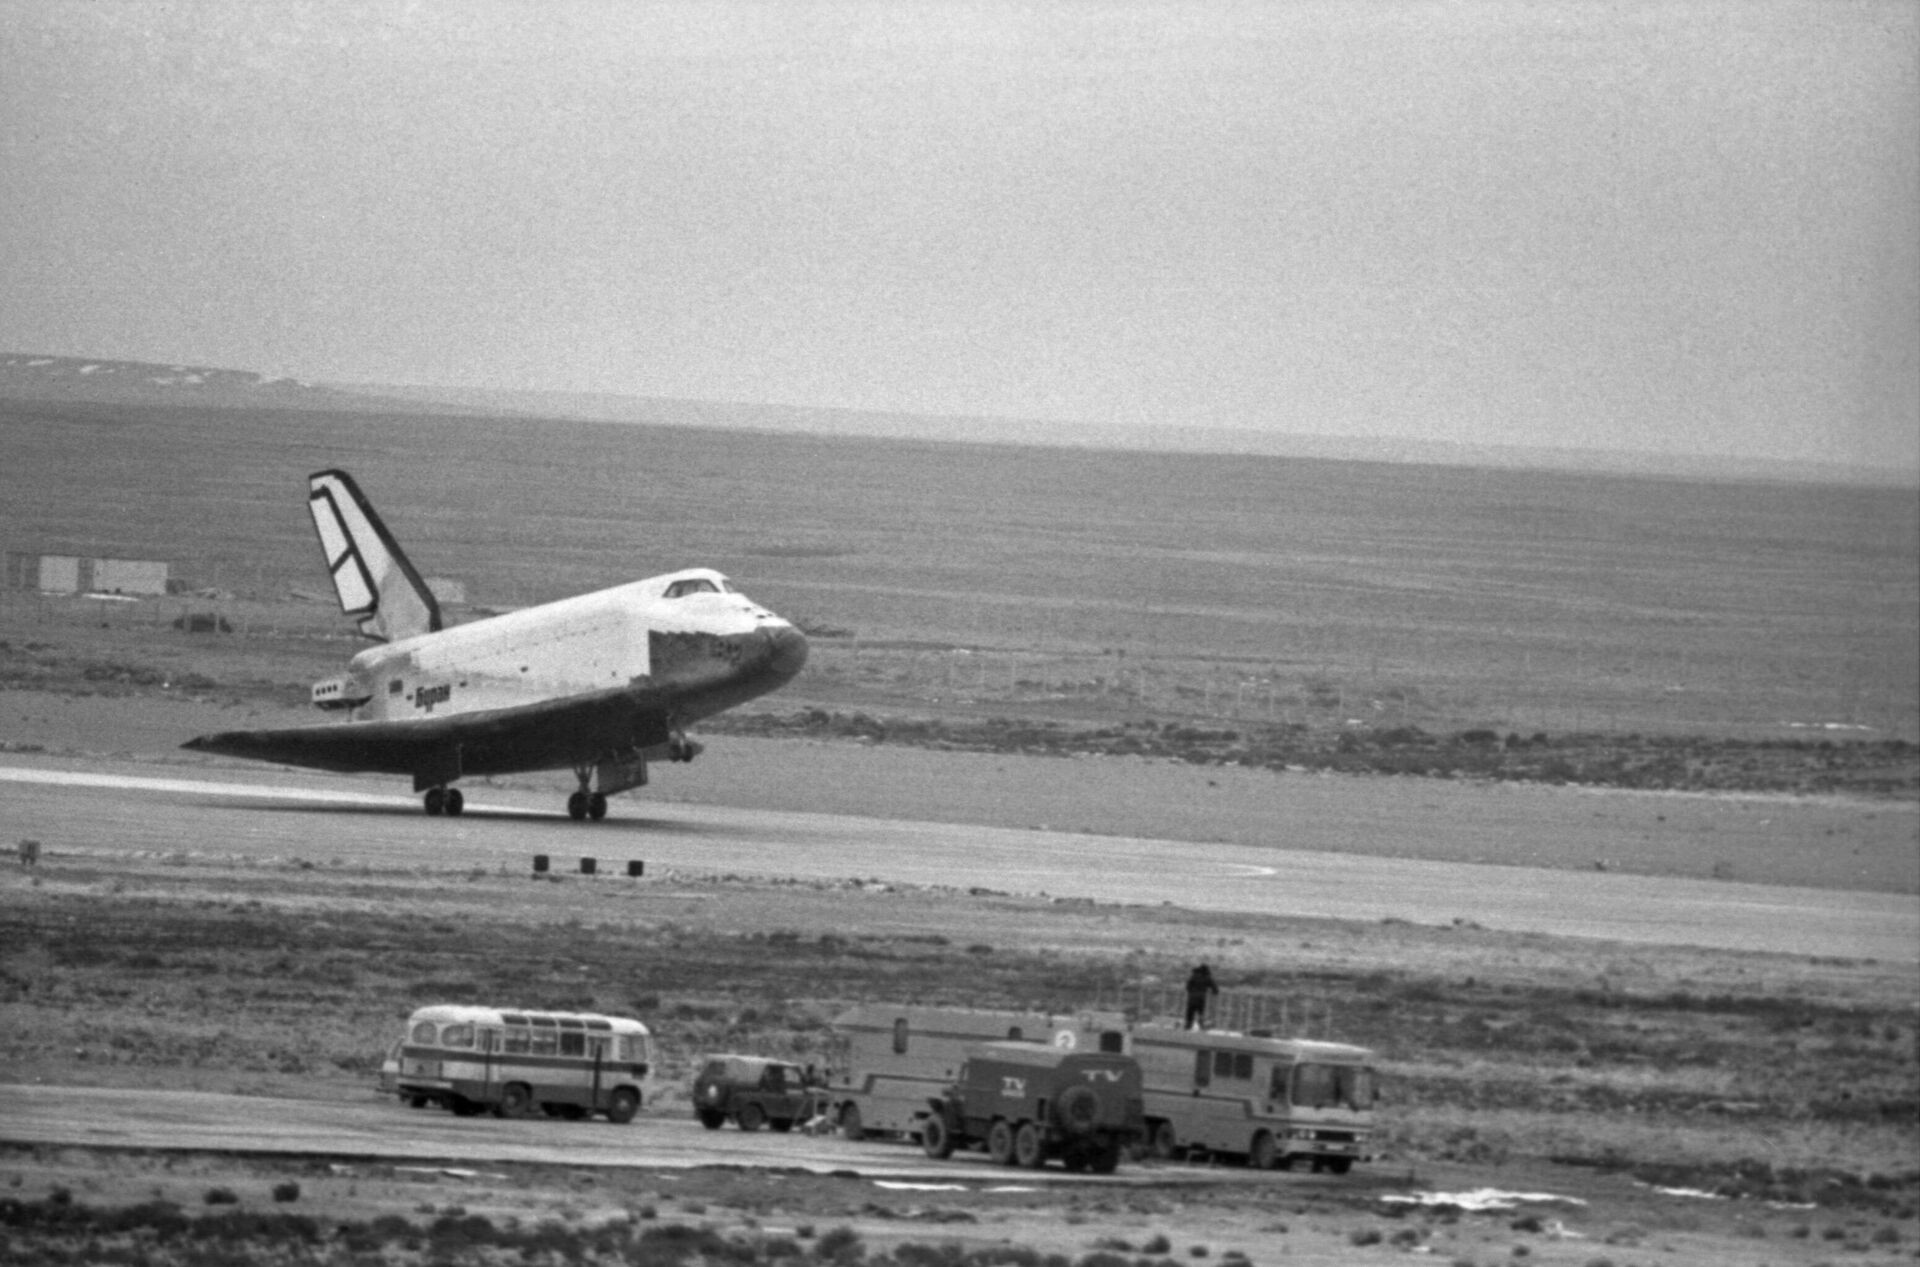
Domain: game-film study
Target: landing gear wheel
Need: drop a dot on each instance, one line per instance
(597, 806)
(1000, 1142)
(576, 807)
(436, 801)
(455, 802)
(1029, 1150)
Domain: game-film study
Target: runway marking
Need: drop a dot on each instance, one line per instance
(136, 783)
(196, 787)
(1247, 870)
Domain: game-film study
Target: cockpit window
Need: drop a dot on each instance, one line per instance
(694, 585)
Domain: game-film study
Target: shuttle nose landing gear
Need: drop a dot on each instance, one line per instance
(444, 800)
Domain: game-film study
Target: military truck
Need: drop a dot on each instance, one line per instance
(753, 1091)
(1025, 1104)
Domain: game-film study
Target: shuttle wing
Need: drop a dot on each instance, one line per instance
(549, 734)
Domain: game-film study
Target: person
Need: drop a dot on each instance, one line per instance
(1200, 984)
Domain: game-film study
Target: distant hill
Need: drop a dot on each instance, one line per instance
(24, 376)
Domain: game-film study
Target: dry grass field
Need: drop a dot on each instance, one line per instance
(951, 588)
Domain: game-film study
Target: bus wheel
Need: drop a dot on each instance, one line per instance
(515, 1101)
(752, 1117)
(463, 1107)
(936, 1139)
(1000, 1142)
(1339, 1165)
(1262, 1155)
(1029, 1150)
(1165, 1143)
(850, 1124)
(781, 1125)
(625, 1103)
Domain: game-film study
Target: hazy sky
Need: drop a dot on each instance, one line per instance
(1668, 227)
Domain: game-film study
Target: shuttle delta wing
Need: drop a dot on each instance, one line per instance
(370, 572)
(551, 734)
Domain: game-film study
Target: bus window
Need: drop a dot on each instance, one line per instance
(1233, 1064)
(1277, 1090)
(900, 1037)
(519, 1040)
(573, 1043)
(1202, 1068)
(632, 1049)
(1243, 1065)
(598, 1047)
(457, 1036)
(545, 1042)
(1112, 1040)
(425, 1033)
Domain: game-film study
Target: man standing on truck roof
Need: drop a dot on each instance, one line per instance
(1200, 984)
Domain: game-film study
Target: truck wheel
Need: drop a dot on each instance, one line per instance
(752, 1117)
(712, 1119)
(1263, 1154)
(1106, 1157)
(1077, 1110)
(1029, 1149)
(1000, 1142)
(936, 1139)
(850, 1125)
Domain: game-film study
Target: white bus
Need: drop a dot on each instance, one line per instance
(566, 1064)
(1272, 1101)
(892, 1062)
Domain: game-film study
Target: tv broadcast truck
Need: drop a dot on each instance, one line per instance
(566, 1064)
(1025, 1103)
(1274, 1102)
(892, 1062)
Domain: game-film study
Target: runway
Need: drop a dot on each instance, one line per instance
(100, 810)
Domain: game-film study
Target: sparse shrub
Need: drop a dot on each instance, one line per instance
(288, 1191)
(841, 1244)
(1521, 1251)
(1526, 1223)
(1364, 1236)
(1156, 1244)
(1119, 1244)
(222, 1196)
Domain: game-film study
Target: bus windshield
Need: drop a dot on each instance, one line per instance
(1318, 1086)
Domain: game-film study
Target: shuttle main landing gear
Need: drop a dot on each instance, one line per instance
(586, 804)
(444, 800)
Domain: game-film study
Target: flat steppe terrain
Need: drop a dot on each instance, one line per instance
(968, 609)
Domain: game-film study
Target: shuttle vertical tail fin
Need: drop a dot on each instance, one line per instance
(370, 573)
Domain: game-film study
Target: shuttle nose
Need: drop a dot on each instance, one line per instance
(787, 651)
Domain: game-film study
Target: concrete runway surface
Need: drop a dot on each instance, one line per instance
(102, 810)
(199, 1121)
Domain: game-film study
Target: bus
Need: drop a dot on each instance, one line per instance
(565, 1064)
(1273, 1101)
(891, 1063)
